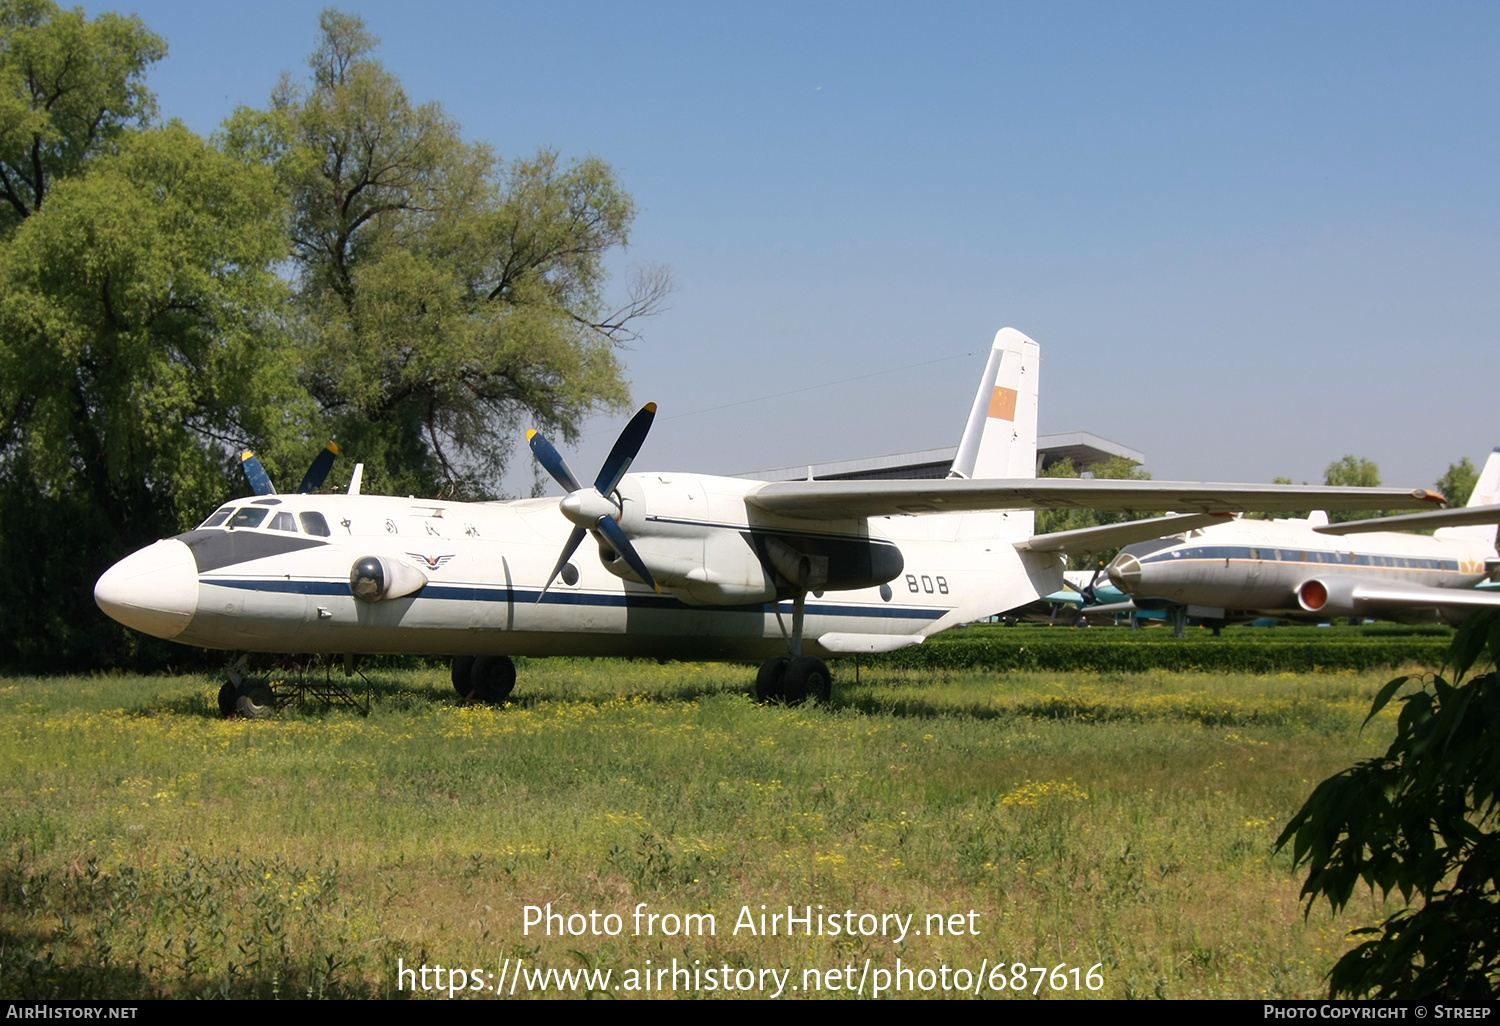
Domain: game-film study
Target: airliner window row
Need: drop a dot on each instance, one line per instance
(1302, 556)
(255, 516)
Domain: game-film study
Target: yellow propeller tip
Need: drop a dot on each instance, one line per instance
(651, 407)
(333, 448)
(247, 454)
(530, 434)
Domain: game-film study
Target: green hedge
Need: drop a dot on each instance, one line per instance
(1276, 650)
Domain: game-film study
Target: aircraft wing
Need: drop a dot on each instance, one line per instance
(844, 500)
(1092, 539)
(1419, 521)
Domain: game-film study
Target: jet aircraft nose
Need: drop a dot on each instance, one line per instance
(1125, 572)
(154, 590)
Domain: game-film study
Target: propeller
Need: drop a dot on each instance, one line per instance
(260, 481)
(591, 508)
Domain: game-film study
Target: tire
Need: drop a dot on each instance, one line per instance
(228, 696)
(256, 702)
(463, 675)
(768, 682)
(807, 677)
(494, 677)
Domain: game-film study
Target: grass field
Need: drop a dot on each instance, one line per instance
(1122, 821)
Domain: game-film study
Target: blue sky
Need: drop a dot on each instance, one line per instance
(1249, 239)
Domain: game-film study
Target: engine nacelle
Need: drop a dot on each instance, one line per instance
(376, 578)
(1327, 598)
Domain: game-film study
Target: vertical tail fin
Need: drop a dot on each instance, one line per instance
(1487, 489)
(1486, 493)
(1000, 436)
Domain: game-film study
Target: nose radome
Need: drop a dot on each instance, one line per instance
(154, 590)
(1124, 572)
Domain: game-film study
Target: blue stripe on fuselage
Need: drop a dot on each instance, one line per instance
(482, 593)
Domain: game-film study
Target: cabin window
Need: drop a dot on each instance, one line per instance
(283, 522)
(313, 523)
(250, 516)
(218, 518)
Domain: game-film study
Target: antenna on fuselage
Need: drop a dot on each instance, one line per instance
(359, 475)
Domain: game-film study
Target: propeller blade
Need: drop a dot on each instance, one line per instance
(626, 446)
(562, 561)
(551, 460)
(313, 479)
(621, 544)
(260, 481)
(1088, 593)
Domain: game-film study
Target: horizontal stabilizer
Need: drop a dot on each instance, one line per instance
(1092, 539)
(1462, 517)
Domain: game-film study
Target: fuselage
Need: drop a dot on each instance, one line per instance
(1261, 567)
(274, 573)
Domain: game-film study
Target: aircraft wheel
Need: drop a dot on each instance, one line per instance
(463, 675)
(228, 696)
(493, 677)
(256, 702)
(768, 682)
(807, 677)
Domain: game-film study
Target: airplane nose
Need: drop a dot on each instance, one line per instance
(154, 590)
(1125, 572)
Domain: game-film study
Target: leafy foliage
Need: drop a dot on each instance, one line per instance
(1116, 468)
(69, 89)
(1458, 483)
(1419, 820)
(446, 294)
(138, 350)
(1352, 472)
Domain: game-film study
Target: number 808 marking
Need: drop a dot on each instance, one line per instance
(927, 584)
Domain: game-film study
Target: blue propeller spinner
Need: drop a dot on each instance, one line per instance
(592, 509)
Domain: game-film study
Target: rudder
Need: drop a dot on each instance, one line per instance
(999, 438)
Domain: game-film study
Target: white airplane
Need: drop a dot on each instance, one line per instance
(1302, 569)
(688, 566)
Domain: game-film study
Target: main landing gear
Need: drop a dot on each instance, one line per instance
(487, 679)
(795, 678)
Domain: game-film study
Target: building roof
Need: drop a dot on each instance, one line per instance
(1083, 448)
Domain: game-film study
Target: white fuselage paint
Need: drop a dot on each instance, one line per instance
(1257, 566)
(486, 564)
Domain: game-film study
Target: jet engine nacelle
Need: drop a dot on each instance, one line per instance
(375, 578)
(1327, 598)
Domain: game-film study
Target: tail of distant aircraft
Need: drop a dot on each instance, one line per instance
(1000, 436)
(1486, 493)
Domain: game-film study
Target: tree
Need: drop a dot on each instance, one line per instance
(69, 90)
(1458, 483)
(445, 295)
(1420, 820)
(139, 349)
(1116, 468)
(1352, 472)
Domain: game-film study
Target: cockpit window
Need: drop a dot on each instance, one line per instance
(250, 516)
(218, 518)
(283, 522)
(313, 523)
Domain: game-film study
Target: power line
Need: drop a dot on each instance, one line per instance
(812, 388)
